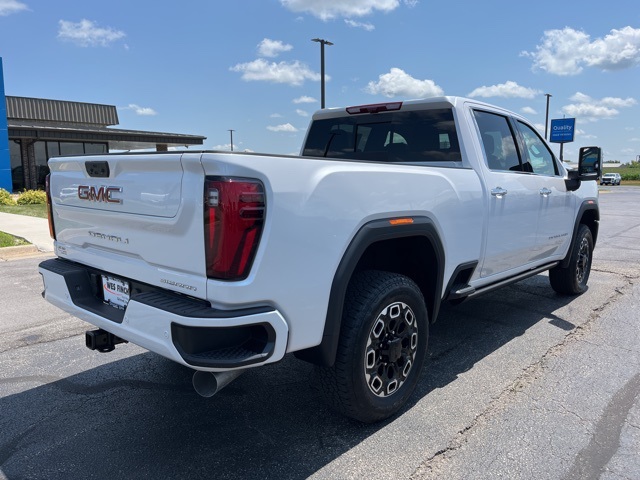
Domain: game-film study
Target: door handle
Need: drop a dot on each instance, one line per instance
(498, 192)
(545, 192)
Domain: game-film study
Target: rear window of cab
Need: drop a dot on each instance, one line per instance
(424, 136)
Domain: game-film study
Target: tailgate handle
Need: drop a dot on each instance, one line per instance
(97, 169)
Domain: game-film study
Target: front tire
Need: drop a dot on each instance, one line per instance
(382, 347)
(572, 280)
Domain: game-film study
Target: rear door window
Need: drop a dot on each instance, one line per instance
(498, 141)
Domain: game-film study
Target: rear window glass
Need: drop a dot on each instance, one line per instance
(411, 137)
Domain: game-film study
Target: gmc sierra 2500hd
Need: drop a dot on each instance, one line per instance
(225, 261)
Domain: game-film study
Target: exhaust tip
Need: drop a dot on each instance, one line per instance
(207, 384)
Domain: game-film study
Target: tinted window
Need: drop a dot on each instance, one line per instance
(42, 170)
(53, 149)
(539, 156)
(498, 141)
(95, 148)
(71, 148)
(418, 136)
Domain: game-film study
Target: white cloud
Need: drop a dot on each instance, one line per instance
(584, 135)
(227, 147)
(588, 136)
(141, 110)
(86, 33)
(305, 99)
(592, 109)
(589, 111)
(634, 139)
(567, 51)
(398, 83)
(366, 26)
(330, 9)
(291, 73)
(272, 48)
(618, 102)
(302, 113)
(508, 89)
(7, 7)
(275, 115)
(286, 127)
(528, 111)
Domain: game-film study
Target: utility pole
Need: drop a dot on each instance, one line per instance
(231, 132)
(546, 118)
(322, 43)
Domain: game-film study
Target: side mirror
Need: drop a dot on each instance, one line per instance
(590, 163)
(572, 181)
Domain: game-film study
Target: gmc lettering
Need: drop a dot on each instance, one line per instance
(102, 194)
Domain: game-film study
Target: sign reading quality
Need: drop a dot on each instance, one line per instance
(562, 130)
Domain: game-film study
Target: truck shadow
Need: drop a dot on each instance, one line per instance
(140, 418)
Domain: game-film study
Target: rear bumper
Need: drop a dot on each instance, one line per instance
(182, 329)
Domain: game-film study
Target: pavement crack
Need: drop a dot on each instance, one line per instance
(39, 342)
(627, 276)
(592, 460)
(527, 377)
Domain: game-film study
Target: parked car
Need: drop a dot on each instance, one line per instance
(610, 179)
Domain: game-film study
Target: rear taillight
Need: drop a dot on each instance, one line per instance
(234, 210)
(47, 187)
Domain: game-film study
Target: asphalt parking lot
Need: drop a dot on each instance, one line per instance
(520, 383)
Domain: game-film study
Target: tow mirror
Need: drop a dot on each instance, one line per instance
(589, 167)
(590, 163)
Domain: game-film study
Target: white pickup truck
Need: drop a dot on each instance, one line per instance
(225, 261)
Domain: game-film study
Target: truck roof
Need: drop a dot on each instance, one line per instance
(405, 105)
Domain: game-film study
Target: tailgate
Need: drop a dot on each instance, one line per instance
(139, 184)
(135, 215)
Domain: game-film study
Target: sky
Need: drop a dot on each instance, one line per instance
(205, 67)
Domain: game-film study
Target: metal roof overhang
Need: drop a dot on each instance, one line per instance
(117, 138)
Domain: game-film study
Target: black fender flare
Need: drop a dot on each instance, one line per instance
(370, 233)
(586, 205)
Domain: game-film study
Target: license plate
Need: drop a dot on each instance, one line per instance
(116, 291)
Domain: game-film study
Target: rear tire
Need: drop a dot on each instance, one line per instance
(572, 279)
(382, 347)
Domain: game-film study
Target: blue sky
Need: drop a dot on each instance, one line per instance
(204, 67)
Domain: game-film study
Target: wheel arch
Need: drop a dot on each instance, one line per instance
(412, 249)
(589, 215)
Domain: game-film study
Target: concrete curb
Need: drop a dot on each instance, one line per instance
(10, 253)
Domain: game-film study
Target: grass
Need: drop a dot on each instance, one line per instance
(7, 240)
(629, 172)
(39, 210)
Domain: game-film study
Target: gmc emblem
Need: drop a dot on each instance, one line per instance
(102, 194)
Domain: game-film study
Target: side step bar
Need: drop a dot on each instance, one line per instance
(468, 291)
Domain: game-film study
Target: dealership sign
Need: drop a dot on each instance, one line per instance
(562, 130)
